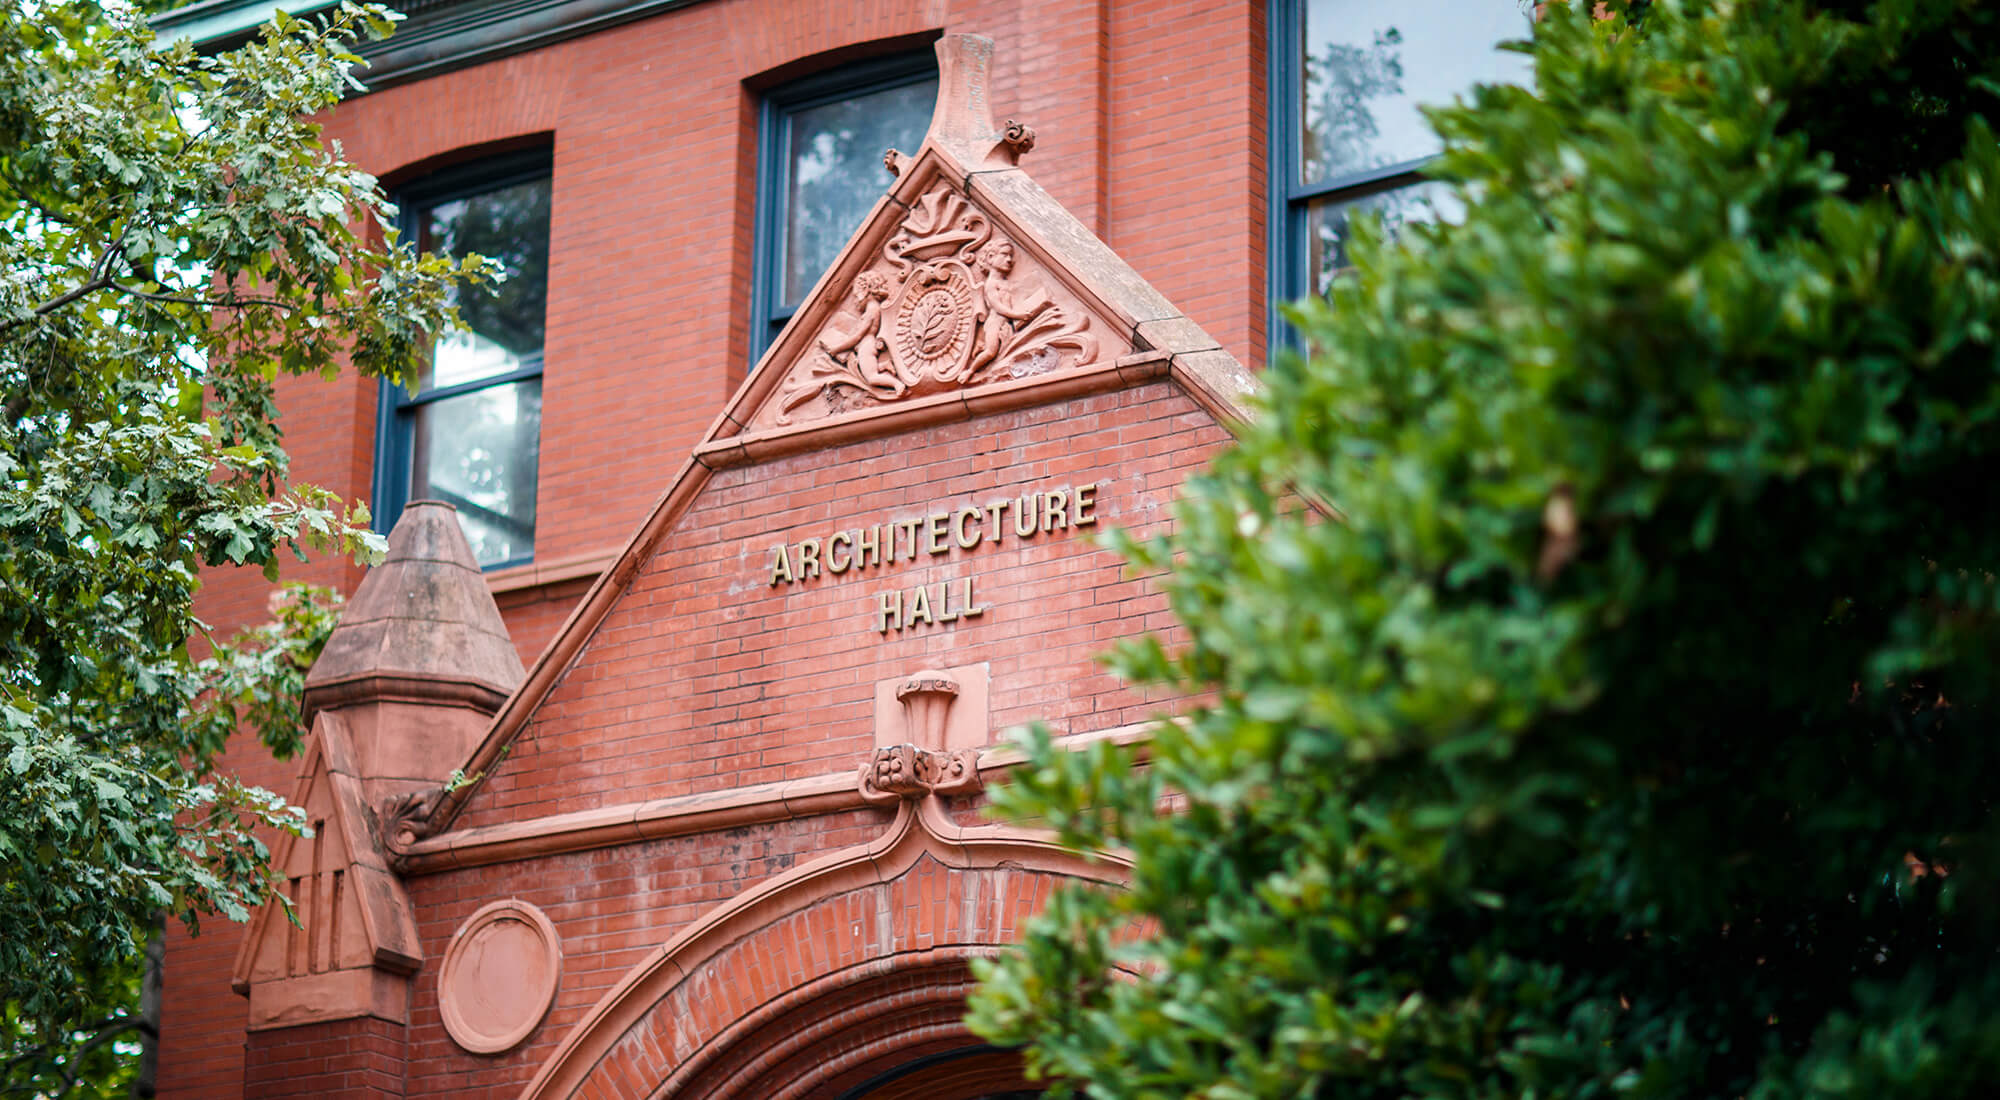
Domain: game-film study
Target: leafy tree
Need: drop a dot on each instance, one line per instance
(173, 238)
(1621, 720)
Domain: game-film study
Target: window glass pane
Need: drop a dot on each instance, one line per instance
(478, 452)
(835, 174)
(1369, 64)
(1328, 223)
(502, 321)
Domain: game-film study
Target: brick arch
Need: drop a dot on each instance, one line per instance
(823, 977)
(515, 99)
(769, 35)
(845, 1033)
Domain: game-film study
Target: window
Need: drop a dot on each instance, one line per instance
(820, 172)
(471, 433)
(1347, 80)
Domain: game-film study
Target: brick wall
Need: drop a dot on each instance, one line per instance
(1150, 123)
(358, 1059)
(707, 676)
(611, 907)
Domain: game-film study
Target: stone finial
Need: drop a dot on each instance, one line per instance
(962, 124)
(422, 627)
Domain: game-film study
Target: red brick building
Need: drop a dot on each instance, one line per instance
(653, 767)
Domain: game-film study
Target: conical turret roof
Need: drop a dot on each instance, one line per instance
(422, 626)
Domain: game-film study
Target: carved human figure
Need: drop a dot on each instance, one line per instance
(869, 290)
(1005, 305)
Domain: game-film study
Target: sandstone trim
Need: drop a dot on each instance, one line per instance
(610, 826)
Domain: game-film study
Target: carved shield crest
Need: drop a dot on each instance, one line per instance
(934, 318)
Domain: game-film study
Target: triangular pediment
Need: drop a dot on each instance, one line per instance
(938, 293)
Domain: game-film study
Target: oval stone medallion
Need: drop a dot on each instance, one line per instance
(499, 976)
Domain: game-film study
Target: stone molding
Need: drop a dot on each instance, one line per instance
(922, 831)
(686, 815)
(538, 574)
(438, 35)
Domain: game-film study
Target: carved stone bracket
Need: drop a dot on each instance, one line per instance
(901, 772)
(406, 820)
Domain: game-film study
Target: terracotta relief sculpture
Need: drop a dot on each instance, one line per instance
(897, 772)
(949, 306)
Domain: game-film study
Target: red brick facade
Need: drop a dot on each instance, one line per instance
(691, 737)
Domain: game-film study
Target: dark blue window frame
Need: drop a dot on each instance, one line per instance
(396, 407)
(1290, 199)
(768, 312)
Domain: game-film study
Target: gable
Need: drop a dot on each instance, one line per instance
(749, 647)
(937, 295)
(973, 344)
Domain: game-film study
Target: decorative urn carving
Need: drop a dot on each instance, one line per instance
(927, 698)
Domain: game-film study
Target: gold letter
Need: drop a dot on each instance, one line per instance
(909, 529)
(1086, 499)
(870, 543)
(934, 532)
(781, 566)
(1055, 504)
(889, 610)
(968, 610)
(966, 539)
(808, 559)
(1030, 510)
(945, 614)
(920, 604)
(836, 541)
(993, 512)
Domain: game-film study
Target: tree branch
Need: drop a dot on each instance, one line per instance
(43, 309)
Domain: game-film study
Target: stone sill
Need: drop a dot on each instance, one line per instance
(535, 574)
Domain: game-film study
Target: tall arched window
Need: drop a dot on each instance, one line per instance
(470, 434)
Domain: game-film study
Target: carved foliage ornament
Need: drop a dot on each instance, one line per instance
(897, 772)
(947, 304)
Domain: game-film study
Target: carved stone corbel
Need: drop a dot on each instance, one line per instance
(899, 772)
(405, 820)
(950, 773)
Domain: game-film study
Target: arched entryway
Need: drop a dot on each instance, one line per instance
(847, 974)
(979, 1072)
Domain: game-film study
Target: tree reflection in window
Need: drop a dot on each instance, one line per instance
(1352, 78)
(821, 170)
(470, 435)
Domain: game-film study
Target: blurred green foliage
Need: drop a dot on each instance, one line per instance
(1622, 722)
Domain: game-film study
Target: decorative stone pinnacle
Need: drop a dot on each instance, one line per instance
(963, 125)
(422, 626)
